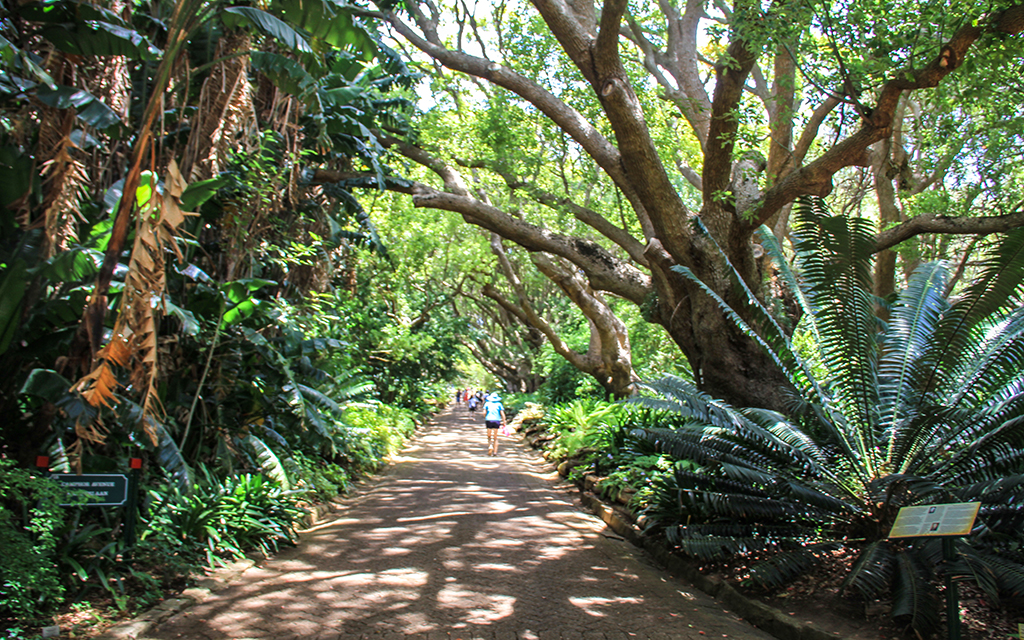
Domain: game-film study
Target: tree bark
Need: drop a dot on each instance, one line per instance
(725, 362)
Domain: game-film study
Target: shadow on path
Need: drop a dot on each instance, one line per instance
(453, 543)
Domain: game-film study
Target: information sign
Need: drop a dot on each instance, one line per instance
(104, 489)
(955, 519)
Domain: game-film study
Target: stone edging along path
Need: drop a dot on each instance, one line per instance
(448, 542)
(756, 613)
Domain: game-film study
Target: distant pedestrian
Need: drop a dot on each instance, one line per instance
(494, 418)
(473, 402)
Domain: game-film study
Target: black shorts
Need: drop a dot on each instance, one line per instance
(492, 424)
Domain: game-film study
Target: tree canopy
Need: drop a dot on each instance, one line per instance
(628, 140)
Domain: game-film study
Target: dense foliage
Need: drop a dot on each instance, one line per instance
(178, 284)
(925, 408)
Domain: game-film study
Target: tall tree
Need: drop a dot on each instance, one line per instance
(707, 119)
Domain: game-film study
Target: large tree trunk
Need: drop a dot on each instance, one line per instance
(718, 251)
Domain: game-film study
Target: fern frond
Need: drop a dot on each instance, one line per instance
(914, 317)
(760, 443)
(318, 398)
(788, 275)
(834, 254)
(268, 461)
(817, 497)
(873, 571)
(1009, 575)
(972, 565)
(1008, 490)
(991, 444)
(746, 507)
(716, 548)
(790, 434)
(998, 362)
(169, 458)
(293, 395)
(997, 287)
(914, 599)
(783, 567)
(742, 530)
(789, 363)
(771, 332)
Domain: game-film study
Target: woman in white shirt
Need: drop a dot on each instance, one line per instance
(494, 418)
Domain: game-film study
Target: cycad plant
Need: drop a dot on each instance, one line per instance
(926, 408)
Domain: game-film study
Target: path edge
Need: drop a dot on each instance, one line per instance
(138, 626)
(757, 613)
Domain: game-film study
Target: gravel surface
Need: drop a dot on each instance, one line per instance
(453, 543)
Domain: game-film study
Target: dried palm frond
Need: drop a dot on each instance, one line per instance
(66, 188)
(135, 343)
(225, 110)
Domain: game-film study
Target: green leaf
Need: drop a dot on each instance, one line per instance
(872, 572)
(74, 265)
(189, 324)
(267, 25)
(197, 193)
(287, 75)
(99, 38)
(17, 178)
(783, 567)
(12, 292)
(91, 110)
(240, 311)
(331, 23)
(914, 599)
(46, 384)
(238, 291)
(169, 458)
(268, 461)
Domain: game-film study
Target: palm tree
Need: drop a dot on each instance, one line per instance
(925, 409)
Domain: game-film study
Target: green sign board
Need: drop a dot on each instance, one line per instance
(104, 489)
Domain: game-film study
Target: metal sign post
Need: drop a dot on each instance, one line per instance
(106, 490)
(947, 521)
(132, 507)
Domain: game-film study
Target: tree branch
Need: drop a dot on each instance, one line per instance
(585, 215)
(816, 178)
(944, 224)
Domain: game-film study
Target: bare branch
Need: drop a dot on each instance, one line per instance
(951, 225)
(569, 120)
(585, 215)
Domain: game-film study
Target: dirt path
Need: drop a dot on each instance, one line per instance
(453, 543)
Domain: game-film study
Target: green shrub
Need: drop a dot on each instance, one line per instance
(373, 433)
(923, 409)
(325, 479)
(588, 423)
(221, 518)
(31, 517)
(642, 474)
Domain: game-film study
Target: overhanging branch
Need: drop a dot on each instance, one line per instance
(949, 225)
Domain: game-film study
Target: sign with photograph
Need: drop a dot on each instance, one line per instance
(955, 519)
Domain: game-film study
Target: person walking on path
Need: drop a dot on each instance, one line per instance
(494, 418)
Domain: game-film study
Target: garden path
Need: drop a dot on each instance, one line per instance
(453, 543)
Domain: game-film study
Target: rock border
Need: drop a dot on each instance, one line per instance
(759, 614)
(214, 581)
